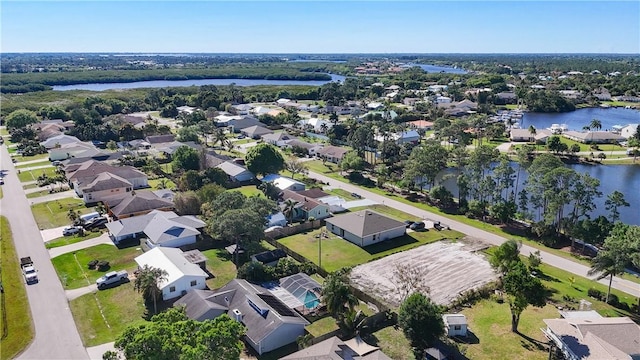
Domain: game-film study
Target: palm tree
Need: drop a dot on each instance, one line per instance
(162, 183)
(289, 209)
(595, 124)
(353, 323)
(147, 282)
(533, 132)
(219, 137)
(337, 295)
(229, 145)
(607, 263)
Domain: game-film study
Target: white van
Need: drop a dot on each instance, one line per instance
(89, 216)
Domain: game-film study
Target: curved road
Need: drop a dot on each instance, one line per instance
(56, 336)
(627, 286)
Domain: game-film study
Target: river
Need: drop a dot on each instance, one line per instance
(624, 178)
(194, 82)
(438, 69)
(575, 120)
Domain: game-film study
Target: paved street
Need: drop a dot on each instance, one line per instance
(554, 260)
(56, 336)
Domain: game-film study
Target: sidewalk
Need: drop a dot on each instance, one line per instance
(102, 239)
(95, 352)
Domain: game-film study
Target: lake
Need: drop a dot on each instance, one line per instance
(438, 69)
(194, 82)
(575, 120)
(624, 178)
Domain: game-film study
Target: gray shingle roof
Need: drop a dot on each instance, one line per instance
(143, 200)
(365, 222)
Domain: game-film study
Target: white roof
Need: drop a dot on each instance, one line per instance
(172, 261)
(232, 169)
(281, 182)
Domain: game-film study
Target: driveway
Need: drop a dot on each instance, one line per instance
(50, 234)
(627, 286)
(55, 196)
(76, 293)
(102, 239)
(56, 336)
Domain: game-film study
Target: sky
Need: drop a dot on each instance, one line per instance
(321, 27)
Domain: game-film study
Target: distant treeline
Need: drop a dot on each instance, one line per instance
(27, 82)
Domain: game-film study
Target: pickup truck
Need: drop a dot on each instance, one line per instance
(112, 278)
(28, 270)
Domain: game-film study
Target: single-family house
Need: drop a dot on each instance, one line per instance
(270, 323)
(629, 131)
(277, 219)
(405, 137)
(602, 94)
(521, 135)
(506, 97)
(593, 137)
(138, 203)
(59, 140)
(312, 149)
(104, 187)
(375, 105)
(162, 229)
(365, 227)
(49, 128)
(158, 139)
(236, 172)
(242, 109)
(182, 275)
(278, 139)
(269, 257)
(317, 124)
(421, 125)
(284, 183)
(335, 349)
(306, 207)
(95, 181)
(455, 325)
(74, 150)
(256, 131)
(238, 124)
(186, 109)
(314, 193)
(332, 154)
(592, 337)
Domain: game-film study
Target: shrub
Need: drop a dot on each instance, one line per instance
(613, 300)
(596, 294)
(92, 264)
(103, 265)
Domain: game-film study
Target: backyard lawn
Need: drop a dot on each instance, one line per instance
(249, 190)
(53, 214)
(220, 264)
(16, 316)
(153, 183)
(68, 240)
(338, 253)
(72, 267)
(392, 342)
(103, 315)
(322, 326)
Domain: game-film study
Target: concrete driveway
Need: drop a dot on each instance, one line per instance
(56, 336)
(627, 286)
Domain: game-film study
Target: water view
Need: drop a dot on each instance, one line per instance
(194, 82)
(438, 69)
(624, 178)
(575, 120)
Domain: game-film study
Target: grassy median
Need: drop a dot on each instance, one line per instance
(16, 326)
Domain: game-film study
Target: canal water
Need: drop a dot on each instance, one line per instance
(576, 120)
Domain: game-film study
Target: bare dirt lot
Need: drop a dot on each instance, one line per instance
(447, 268)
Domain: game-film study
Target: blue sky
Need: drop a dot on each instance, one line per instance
(321, 27)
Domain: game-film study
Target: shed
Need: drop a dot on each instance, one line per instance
(455, 324)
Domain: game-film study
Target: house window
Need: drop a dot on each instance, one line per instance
(457, 327)
(194, 283)
(172, 289)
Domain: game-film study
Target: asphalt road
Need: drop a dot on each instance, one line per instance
(627, 286)
(56, 336)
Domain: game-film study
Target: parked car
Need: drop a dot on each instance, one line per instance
(112, 278)
(408, 223)
(68, 231)
(357, 196)
(56, 163)
(95, 223)
(417, 226)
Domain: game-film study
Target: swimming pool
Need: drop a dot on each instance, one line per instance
(310, 300)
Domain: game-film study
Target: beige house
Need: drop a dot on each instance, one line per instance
(94, 181)
(365, 227)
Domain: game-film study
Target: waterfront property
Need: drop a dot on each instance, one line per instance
(594, 137)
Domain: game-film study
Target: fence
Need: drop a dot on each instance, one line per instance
(292, 230)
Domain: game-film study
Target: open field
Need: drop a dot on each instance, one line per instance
(103, 315)
(68, 240)
(72, 267)
(16, 326)
(447, 268)
(53, 214)
(338, 253)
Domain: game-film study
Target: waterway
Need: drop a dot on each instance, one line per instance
(623, 178)
(438, 69)
(194, 82)
(577, 119)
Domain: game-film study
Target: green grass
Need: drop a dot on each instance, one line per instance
(220, 264)
(74, 273)
(392, 342)
(31, 175)
(68, 240)
(490, 322)
(30, 158)
(320, 327)
(342, 193)
(621, 103)
(15, 305)
(154, 183)
(121, 306)
(338, 253)
(53, 214)
(249, 190)
(39, 163)
(4, 131)
(37, 194)
(30, 186)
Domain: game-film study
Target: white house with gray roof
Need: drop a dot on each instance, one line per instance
(270, 323)
(182, 275)
(365, 227)
(236, 172)
(161, 228)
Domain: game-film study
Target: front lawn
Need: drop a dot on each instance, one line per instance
(39, 163)
(68, 240)
(74, 273)
(32, 175)
(31, 158)
(220, 264)
(16, 316)
(100, 317)
(338, 253)
(53, 214)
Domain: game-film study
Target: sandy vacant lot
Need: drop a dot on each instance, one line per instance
(449, 269)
